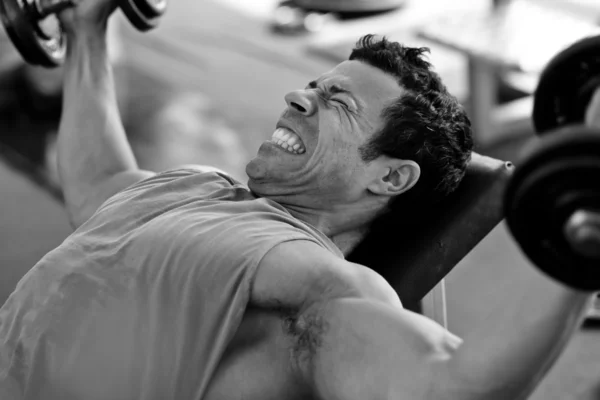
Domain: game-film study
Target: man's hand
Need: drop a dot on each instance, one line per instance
(87, 15)
(592, 114)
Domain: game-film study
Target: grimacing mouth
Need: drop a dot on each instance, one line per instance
(288, 140)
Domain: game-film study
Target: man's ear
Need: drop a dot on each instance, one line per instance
(395, 177)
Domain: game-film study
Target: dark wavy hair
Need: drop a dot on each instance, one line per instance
(426, 124)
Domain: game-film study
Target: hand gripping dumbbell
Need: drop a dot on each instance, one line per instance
(552, 202)
(24, 20)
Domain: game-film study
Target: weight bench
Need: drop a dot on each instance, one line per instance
(415, 255)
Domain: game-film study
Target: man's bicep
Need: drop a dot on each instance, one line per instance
(359, 349)
(297, 272)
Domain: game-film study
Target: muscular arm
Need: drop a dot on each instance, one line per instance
(94, 158)
(356, 342)
(353, 337)
(357, 349)
(514, 347)
(360, 349)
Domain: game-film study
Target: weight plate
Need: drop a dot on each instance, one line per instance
(136, 17)
(25, 35)
(557, 177)
(566, 86)
(151, 8)
(21, 38)
(350, 6)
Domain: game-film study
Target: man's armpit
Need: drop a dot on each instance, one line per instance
(307, 332)
(358, 349)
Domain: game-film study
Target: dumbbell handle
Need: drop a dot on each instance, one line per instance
(582, 231)
(43, 8)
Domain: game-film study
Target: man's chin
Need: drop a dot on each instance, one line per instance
(271, 165)
(257, 176)
(257, 170)
(265, 172)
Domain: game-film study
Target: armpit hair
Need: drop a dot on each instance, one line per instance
(307, 330)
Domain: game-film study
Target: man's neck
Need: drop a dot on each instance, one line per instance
(345, 227)
(348, 241)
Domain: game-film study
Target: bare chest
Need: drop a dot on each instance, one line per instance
(257, 364)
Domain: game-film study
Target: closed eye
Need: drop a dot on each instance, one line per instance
(341, 102)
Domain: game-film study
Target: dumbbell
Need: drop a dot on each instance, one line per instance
(552, 202)
(24, 22)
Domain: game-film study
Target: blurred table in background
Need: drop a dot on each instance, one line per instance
(517, 37)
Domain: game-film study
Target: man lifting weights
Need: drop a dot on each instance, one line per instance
(187, 284)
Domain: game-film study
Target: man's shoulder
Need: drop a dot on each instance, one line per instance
(190, 177)
(199, 169)
(296, 273)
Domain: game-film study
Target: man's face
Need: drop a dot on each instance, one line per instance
(314, 151)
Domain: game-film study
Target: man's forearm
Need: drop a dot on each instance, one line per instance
(92, 144)
(515, 346)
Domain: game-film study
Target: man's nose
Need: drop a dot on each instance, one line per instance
(302, 102)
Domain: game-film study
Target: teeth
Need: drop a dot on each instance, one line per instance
(288, 141)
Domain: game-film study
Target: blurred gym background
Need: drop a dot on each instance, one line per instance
(207, 87)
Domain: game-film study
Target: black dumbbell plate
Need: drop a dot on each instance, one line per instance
(26, 37)
(566, 86)
(558, 177)
(151, 8)
(136, 17)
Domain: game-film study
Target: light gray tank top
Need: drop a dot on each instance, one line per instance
(142, 300)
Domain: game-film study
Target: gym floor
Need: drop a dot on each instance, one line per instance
(207, 87)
